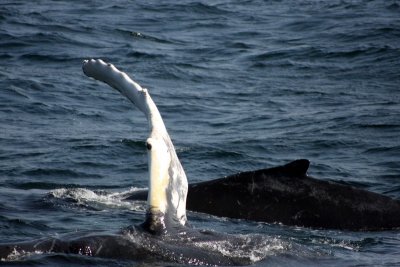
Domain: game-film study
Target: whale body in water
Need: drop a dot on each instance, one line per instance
(164, 234)
(287, 195)
(282, 194)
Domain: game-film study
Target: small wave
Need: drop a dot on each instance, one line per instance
(382, 149)
(144, 55)
(195, 8)
(133, 143)
(13, 43)
(58, 173)
(46, 57)
(242, 46)
(16, 255)
(393, 7)
(98, 200)
(206, 9)
(343, 243)
(23, 224)
(394, 190)
(40, 185)
(142, 36)
(379, 126)
(249, 248)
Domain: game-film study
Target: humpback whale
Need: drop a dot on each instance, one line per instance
(287, 195)
(164, 234)
(284, 194)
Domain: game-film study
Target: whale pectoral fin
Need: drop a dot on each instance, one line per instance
(109, 74)
(159, 160)
(167, 180)
(297, 168)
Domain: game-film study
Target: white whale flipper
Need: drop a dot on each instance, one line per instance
(167, 183)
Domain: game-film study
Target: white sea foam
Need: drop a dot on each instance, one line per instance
(98, 199)
(252, 248)
(16, 255)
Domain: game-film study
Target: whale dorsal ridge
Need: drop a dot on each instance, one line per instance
(298, 167)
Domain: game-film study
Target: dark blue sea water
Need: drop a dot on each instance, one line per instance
(241, 85)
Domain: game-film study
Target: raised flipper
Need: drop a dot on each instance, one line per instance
(167, 182)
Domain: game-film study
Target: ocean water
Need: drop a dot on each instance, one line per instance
(241, 85)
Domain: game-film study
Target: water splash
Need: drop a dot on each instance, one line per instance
(16, 255)
(250, 248)
(98, 200)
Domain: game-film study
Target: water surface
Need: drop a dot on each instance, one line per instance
(241, 85)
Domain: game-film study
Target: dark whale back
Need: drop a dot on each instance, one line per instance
(286, 194)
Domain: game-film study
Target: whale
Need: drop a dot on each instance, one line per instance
(288, 195)
(284, 194)
(164, 235)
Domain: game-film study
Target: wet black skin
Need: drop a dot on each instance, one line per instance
(284, 194)
(287, 195)
(177, 245)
